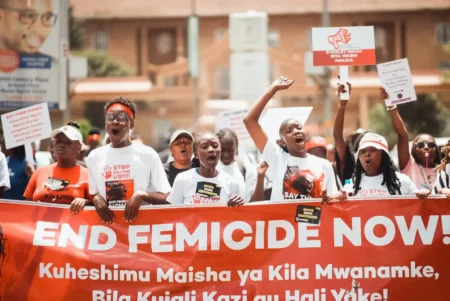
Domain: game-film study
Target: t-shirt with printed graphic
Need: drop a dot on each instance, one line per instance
(117, 173)
(371, 186)
(191, 188)
(298, 178)
(53, 184)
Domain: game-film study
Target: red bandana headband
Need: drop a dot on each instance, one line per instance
(121, 107)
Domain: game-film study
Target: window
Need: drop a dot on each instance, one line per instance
(273, 38)
(223, 80)
(442, 33)
(100, 41)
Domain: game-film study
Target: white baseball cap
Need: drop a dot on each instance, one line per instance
(71, 132)
(373, 140)
(180, 133)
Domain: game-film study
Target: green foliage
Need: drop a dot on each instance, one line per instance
(76, 32)
(102, 65)
(85, 127)
(426, 115)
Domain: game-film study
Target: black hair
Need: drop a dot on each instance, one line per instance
(390, 178)
(437, 156)
(349, 164)
(94, 131)
(199, 135)
(17, 152)
(123, 101)
(446, 158)
(74, 124)
(227, 133)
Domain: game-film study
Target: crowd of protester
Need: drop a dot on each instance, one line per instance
(207, 168)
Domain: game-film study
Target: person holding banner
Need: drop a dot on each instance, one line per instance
(123, 174)
(418, 163)
(206, 185)
(375, 173)
(63, 182)
(296, 174)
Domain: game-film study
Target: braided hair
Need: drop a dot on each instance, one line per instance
(227, 133)
(446, 158)
(390, 178)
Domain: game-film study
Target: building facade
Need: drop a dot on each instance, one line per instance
(154, 45)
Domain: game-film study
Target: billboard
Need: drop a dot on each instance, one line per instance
(31, 64)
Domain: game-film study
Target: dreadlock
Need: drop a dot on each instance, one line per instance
(390, 178)
(446, 158)
(227, 133)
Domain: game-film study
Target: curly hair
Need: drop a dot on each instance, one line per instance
(123, 101)
(74, 124)
(390, 178)
(437, 157)
(227, 133)
(446, 158)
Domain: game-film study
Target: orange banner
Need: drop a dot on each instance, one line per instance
(392, 249)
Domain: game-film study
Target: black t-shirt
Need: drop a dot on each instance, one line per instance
(172, 171)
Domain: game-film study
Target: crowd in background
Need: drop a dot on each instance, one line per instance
(207, 168)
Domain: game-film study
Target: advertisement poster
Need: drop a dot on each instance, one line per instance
(29, 53)
(343, 46)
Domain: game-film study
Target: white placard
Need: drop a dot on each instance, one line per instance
(234, 120)
(26, 125)
(343, 75)
(273, 118)
(396, 79)
(338, 46)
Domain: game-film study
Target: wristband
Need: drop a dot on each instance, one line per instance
(392, 109)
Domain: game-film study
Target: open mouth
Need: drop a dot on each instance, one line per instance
(115, 132)
(183, 151)
(212, 159)
(368, 161)
(299, 140)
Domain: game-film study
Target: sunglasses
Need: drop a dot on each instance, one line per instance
(121, 117)
(422, 145)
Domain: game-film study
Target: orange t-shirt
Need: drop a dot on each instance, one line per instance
(53, 184)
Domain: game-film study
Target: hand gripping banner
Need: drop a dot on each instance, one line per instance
(387, 249)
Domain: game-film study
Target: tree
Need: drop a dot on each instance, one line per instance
(76, 32)
(102, 65)
(85, 127)
(426, 115)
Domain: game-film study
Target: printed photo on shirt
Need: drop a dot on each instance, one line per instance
(301, 184)
(57, 189)
(207, 193)
(117, 192)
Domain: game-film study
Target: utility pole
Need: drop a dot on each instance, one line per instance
(326, 79)
(194, 56)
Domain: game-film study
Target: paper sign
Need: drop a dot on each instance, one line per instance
(396, 79)
(337, 46)
(343, 75)
(234, 120)
(26, 125)
(273, 118)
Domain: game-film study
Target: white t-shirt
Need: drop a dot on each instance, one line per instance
(371, 186)
(246, 185)
(298, 178)
(191, 188)
(4, 172)
(116, 173)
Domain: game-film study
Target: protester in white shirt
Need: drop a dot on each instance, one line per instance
(206, 185)
(122, 173)
(229, 164)
(375, 174)
(296, 174)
